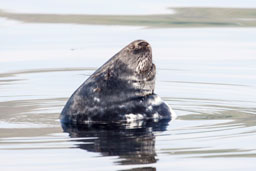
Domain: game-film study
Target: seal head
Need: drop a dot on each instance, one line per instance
(121, 87)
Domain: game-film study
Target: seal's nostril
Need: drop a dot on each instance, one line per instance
(143, 44)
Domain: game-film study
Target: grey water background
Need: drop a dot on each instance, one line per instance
(205, 53)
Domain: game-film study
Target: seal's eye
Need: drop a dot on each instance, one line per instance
(143, 44)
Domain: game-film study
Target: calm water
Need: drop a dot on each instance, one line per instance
(206, 70)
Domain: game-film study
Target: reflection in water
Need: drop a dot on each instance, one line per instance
(133, 145)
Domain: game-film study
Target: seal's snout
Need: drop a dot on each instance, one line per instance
(143, 44)
(140, 46)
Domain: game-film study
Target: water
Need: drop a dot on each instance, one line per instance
(206, 71)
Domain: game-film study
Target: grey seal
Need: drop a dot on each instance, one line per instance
(121, 90)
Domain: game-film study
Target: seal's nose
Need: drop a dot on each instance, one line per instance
(143, 44)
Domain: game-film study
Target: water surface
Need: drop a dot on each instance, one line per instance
(206, 67)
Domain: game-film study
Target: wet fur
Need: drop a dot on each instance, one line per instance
(123, 85)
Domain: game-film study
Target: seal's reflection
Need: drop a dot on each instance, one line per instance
(134, 145)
